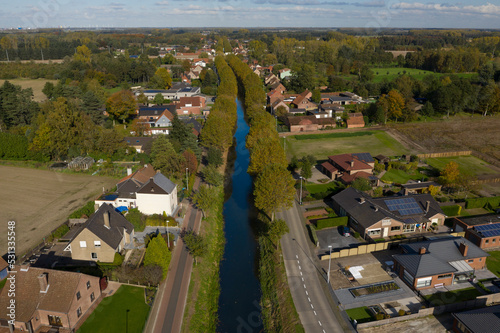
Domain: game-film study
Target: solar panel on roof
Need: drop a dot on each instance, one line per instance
(405, 206)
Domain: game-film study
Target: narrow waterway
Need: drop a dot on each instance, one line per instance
(239, 310)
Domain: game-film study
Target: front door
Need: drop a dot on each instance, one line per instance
(385, 232)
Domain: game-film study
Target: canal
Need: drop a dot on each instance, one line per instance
(239, 310)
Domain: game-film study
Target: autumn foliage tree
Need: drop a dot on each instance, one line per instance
(393, 105)
(157, 253)
(450, 174)
(121, 105)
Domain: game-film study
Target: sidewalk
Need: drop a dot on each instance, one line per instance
(174, 289)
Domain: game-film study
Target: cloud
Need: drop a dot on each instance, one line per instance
(161, 3)
(488, 9)
(375, 3)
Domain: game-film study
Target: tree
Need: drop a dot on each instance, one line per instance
(157, 253)
(203, 199)
(83, 54)
(305, 168)
(393, 105)
(161, 79)
(121, 105)
(195, 244)
(276, 230)
(214, 157)
(361, 184)
(142, 99)
(316, 96)
(93, 106)
(158, 100)
(48, 90)
(450, 174)
(427, 109)
(212, 176)
(265, 152)
(274, 189)
(165, 157)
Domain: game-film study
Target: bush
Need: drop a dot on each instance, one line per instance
(61, 231)
(86, 210)
(401, 312)
(331, 222)
(312, 234)
(356, 234)
(379, 240)
(482, 202)
(379, 316)
(452, 210)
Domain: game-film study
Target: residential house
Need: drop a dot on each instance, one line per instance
(355, 120)
(277, 86)
(341, 100)
(277, 103)
(162, 124)
(333, 110)
(483, 231)
(307, 123)
(439, 262)
(4, 269)
(139, 143)
(348, 167)
(483, 320)
(388, 216)
(157, 196)
(47, 300)
(302, 101)
(270, 79)
(191, 105)
(319, 113)
(105, 233)
(273, 96)
(178, 89)
(194, 124)
(284, 73)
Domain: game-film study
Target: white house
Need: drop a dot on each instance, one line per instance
(156, 196)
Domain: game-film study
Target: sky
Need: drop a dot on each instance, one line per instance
(250, 13)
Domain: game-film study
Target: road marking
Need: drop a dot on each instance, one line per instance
(324, 331)
(301, 273)
(298, 262)
(302, 279)
(319, 323)
(312, 306)
(305, 286)
(309, 300)
(300, 267)
(296, 256)
(315, 313)
(307, 293)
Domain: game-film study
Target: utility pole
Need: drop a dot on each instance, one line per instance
(329, 263)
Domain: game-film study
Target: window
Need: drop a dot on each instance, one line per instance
(470, 260)
(97, 243)
(494, 240)
(92, 297)
(94, 255)
(480, 259)
(78, 296)
(408, 277)
(79, 312)
(424, 282)
(55, 320)
(374, 232)
(408, 228)
(88, 284)
(444, 276)
(398, 228)
(487, 241)
(83, 244)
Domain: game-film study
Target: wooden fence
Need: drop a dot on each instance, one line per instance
(445, 154)
(369, 248)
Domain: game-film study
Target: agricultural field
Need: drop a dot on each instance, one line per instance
(461, 132)
(466, 164)
(323, 145)
(40, 200)
(391, 73)
(37, 86)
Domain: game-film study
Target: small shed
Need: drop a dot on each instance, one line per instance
(81, 163)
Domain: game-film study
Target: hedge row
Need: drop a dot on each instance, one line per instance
(452, 210)
(331, 222)
(312, 233)
(491, 202)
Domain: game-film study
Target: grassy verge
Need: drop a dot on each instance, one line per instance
(203, 296)
(493, 262)
(451, 297)
(466, 164)
(361, 315)
(400, 176)
(125, 311)
(332, 135)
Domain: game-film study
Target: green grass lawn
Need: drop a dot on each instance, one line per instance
(466, 164)
(323, 145)
(455, 296)
(111, 314)
(401, 177)
(391, 73)
(454, 210)
(493, 262)
(361, 315)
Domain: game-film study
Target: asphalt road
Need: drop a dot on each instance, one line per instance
(310, 301)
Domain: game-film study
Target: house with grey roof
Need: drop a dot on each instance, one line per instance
(387, 216)
(438, 262)
(157, 195)
(482, 230)
(484, 320)
(105, 233)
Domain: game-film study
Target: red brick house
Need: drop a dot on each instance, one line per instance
(302, 101)
(47, 298)
(347, 167)
(483, 231)
(190, 105)
(355, 120)
(438, 262)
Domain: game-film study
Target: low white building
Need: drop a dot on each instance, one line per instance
(156, 196)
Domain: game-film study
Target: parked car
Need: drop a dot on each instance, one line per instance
(344, 231)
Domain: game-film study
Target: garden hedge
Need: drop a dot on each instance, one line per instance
(331, 222)
(491, 202)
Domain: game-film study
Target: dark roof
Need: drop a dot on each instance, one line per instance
(302, 120)
(372, 210)
(137, 140)
(382, 158)
(417, 185)
(438, 254)
(148, 111)
(159, 184)
(365, 157)
(196, 124)
(484, 320)
(117, 223)
(480, 220)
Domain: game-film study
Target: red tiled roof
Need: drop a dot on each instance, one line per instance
(354, 119)
(194, 101)
(344, 162)
(302, 120)
(142, 175)
(347, 178)
(328, 166)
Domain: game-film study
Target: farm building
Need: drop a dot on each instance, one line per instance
(81, 163)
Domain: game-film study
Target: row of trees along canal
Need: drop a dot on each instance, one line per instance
(216, 135)
(273, 191)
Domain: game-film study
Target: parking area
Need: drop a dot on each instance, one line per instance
(434, 324)
(332, 236)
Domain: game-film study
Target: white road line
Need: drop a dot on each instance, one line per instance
(324, 331)
(300, 273)
(300, 267)
(298, 262)
(315, 313)
(312, 306)
(309, 300)
(302, 279)
(307, 293)
(305, 286)
(296, 256)
(319, 323)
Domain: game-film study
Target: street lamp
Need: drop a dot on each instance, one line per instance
(329, 263)
(168, 236)
(187, 180)
(300, 195)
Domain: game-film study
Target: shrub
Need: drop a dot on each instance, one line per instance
(86, 210)
(401, 312)
(61, 231)
(379, 316)
(482, 202)
(312, 233)
(452, 210)
(379, 240)
(356, 234)
(331, 222)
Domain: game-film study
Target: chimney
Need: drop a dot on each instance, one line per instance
(352, 163)
(106, 219)
(129, 171)
(376, 208)
(25, 267)
(427, 206)
(44, 283)
(463, 249)
(361, 200)
(422, 250)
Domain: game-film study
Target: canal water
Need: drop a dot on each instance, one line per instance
(239, 310)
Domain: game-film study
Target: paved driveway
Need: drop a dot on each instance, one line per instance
(332, 236)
